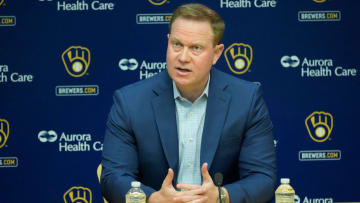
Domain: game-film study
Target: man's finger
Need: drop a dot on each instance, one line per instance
(198, 191)
(191, 198)
(187, 186)
(169, 177)
(205, 173)
(202, 200)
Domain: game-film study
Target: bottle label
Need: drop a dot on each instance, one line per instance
(135, 197)
(284, 198)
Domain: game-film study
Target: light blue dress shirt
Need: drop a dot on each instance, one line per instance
(190, 119)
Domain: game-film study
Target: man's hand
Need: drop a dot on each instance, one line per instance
(168, 194)
(210, 191)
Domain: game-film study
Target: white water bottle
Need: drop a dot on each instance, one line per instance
(135, 194)
(285, 193)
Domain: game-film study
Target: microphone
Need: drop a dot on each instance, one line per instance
(218, 179)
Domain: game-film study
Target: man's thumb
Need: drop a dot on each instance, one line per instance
(169, 177)
(205, 173)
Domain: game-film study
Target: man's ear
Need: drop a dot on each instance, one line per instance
(218, 51)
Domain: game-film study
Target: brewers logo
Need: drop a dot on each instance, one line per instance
(157, 2)
(319, 125)
(4, 132)
(319, 1)
(76, 60)
(7, 162)
(78, 194)
(99, 169)
(239, 57)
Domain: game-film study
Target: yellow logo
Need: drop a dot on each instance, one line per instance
(239, 57)
(157, 2)
(4, 131)
(319, 125)
(319, 1)
(78, 194)
(1, 2)
(76, 60)
(98, 171)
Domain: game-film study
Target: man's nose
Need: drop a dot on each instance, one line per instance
(185, 55)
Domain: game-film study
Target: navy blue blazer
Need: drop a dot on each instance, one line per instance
(141, 140)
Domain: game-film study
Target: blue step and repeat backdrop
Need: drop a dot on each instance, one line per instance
(61, 60)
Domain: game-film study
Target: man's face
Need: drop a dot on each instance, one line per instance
(191, 53)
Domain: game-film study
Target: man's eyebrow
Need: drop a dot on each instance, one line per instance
(200, 43)
(196, 43)
(173, 38)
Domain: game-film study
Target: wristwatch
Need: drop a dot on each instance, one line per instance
(223, 196)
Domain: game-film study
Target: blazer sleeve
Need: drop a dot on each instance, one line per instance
(257, 159)
(119, 157)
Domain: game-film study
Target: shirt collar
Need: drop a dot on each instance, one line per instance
(204, 93)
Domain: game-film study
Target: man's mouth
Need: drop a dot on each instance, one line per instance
(183, 70)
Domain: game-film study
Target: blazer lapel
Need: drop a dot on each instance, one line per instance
(164, 109)
(216, 111)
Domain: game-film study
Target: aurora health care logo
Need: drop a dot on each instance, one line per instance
(47, 136)
(74, 142)
(313, 67)
(81, 5)
(290, 61)
(248, 3)
(145, 68)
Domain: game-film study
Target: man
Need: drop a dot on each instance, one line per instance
(174, 131)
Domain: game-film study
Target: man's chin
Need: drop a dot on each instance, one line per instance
(181, 82)
(179, 79)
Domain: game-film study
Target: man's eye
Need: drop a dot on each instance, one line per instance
(196, 49)
(177, 45)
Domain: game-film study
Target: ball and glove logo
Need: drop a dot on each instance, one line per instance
(4, 132)
(239, 57)
(319, 125)
(157, 2)
(76, 60)
(319, 1)
(78, 195)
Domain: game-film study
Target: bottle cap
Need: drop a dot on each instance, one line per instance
(135, 184)
(284, 180)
